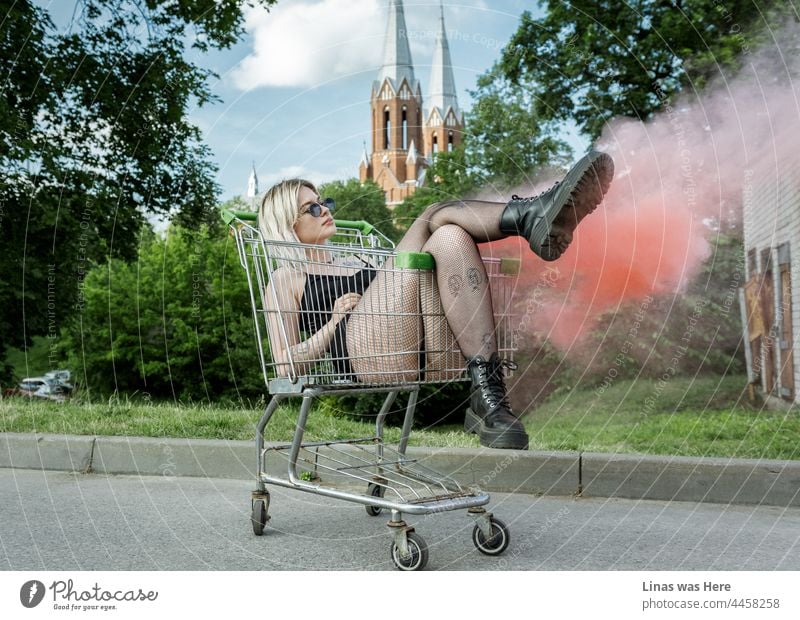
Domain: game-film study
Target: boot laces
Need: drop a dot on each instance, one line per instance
(492, 382)
(532, 198)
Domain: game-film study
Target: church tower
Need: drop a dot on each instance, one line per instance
(403, 140)
(396, 107)
(444, 121)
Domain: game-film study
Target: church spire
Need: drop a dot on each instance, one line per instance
(252, 183)
(442, 89)
(397, 62)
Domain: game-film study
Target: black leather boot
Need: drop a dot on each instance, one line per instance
(489, 414)
(548, 220)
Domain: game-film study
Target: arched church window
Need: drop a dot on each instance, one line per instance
(387, 126)
(405, 127)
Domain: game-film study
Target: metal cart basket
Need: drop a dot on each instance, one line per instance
(365, 470)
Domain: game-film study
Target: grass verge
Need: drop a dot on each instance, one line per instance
(681, 417)
(127, 418)
(707, 416)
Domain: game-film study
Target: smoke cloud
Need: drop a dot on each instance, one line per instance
(679, 182)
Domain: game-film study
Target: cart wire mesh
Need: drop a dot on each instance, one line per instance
(398, 333)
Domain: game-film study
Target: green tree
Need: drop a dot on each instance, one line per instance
(175, 323)
(361, 201)
(94, 136)
(590, 61)
(507, 140)
(448, 177)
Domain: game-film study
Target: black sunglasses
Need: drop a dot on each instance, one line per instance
(315, 208)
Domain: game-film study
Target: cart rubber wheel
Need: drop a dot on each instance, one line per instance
(375, 490)
(259, 515)
(498, 541)
(418, 557)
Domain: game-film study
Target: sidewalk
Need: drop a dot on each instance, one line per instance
(588, 474)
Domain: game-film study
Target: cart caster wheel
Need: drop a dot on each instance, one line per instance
(418, 553)
(259, 516)
(375, 490)
(498, 541)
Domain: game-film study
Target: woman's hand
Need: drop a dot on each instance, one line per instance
(346, 303)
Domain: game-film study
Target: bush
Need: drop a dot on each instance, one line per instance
(174, 324)
(436, 405)
(694, 331)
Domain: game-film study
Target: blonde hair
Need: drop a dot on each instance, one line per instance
(277, 217)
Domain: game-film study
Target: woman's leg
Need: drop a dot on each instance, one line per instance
(479, 218)
(464, 290)
(463, 286)
(385, 331)
(547, 220)
(450, 232)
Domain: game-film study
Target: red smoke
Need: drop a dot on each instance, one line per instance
(679, 181)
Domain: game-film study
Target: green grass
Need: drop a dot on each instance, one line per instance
(702, 417)
(201, 421)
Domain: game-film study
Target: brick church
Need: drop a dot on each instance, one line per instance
(406, 134)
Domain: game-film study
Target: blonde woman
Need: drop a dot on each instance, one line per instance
(348, 310)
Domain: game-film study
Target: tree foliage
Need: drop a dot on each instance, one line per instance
(591, 61)
(448, 177)
(361, 201)
(507, 139)
(95, 136)
(174, 323)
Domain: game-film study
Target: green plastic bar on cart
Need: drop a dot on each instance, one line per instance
(415, 260)
(228, 215)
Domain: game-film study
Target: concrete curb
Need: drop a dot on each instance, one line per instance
(716, 480)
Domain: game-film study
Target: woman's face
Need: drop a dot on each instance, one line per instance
(310, 229)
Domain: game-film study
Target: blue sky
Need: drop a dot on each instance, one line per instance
(295, 91)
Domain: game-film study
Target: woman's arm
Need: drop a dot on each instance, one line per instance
(287, 288)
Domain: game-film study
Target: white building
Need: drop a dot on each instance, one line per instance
(771, 200)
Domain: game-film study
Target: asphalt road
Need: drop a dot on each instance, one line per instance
(65, 521)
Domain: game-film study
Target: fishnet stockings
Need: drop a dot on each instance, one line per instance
(386, 330)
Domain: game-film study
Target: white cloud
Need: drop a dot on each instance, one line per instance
(307, 43)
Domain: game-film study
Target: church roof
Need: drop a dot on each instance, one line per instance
(397, 63)
(252, 183)
(442, 89)
(364, 157)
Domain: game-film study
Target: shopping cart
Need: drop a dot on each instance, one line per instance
(365, 470)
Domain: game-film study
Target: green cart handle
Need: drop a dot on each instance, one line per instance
(228, 215)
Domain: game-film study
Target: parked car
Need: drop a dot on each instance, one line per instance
(54, 385)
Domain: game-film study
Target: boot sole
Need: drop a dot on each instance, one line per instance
(492, 438)
(579, 196)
